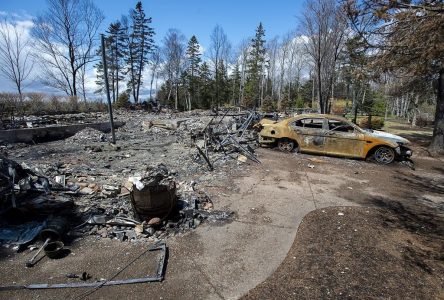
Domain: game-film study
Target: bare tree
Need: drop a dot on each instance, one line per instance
(272, 48)
(65, 36)
(174, 58)
(283, 58)
(219, 51)
(15, 61)
(82, 82)
(242, 59)
(323, 22)
(155, 61)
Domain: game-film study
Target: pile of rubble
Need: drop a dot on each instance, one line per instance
(87, 135)
(103, 190)
(147, 206)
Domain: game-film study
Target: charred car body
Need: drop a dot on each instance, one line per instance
(333, 135)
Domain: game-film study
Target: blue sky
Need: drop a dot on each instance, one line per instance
(238, 18)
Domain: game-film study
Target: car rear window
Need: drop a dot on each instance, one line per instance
(310, 123)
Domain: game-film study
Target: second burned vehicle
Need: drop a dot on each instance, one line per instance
(333, 135)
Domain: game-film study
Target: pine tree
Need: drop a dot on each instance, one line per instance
(140, 45)
(194, 60)
(235, 81)
(115, 53)
(222, 84)
(205, 86)
(255, 66)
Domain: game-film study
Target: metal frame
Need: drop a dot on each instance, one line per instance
(160, 274)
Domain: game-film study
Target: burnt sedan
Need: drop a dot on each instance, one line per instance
(333, 135)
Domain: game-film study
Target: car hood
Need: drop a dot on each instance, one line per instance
(387, 136)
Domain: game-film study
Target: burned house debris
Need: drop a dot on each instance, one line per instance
(148, 187)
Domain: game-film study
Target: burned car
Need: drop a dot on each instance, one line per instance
(333, 135)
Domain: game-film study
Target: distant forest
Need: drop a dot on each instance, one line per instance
(372, 57)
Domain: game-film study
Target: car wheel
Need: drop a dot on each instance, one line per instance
(286, 145)
(384, 155)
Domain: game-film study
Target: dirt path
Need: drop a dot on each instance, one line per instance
(225, 261)
(359, 253)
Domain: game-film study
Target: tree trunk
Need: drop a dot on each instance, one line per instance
(437, 143)
(319, 83)
(415, 110)
(176, 97)
(151, 85)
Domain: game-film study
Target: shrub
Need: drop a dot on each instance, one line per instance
(56, 106)
(73, 104)
(268, 105)
(35, 105)
(122, 101)
(300, 102)
(377, 123)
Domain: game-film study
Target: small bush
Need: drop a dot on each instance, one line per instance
(122, 101)
(377, 123)
(268, 105)
(73, 104)
(35, 104)
(55, 105)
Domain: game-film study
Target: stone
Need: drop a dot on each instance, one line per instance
(154, 221)
(139, 229)
(208, 206)
(242, 158)
(150, 231)
(87, 191)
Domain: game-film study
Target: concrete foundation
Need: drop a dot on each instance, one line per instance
(51, 133)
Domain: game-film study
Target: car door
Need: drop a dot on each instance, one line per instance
(343, 139)
(311, 134)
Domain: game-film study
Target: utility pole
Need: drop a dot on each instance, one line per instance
(105, 73)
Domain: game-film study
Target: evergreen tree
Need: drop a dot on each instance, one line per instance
(235, 81)
(255, 66)
(117, 50)
(115, 53)
(205, 86)
(194, 60)
(140, 45)
(222, 84)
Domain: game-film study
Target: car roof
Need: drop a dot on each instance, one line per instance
(327, 116)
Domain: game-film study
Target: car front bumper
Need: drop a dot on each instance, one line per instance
(403, 152)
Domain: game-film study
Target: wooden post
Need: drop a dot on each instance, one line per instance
(105, 74)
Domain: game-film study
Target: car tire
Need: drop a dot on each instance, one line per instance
(384, 155)
(287, 145)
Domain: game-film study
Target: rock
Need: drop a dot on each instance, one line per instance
(150, 230)
(242, 158)
(208, 206)
(82, 184)
(110, 187)
(139, 229)
(154, 221)
(87, 191)
(128, 185)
